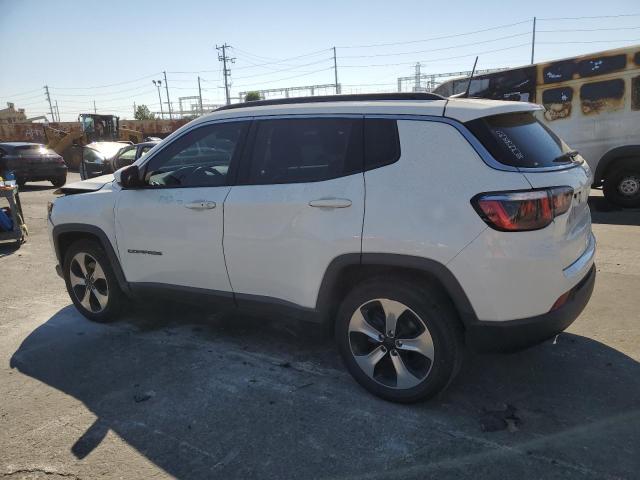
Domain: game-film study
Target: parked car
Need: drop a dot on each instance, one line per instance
(130, 154)
(100, 158)
(32, 162)
(413, 226)
(97, 158)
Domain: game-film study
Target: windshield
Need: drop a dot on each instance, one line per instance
(520, 140)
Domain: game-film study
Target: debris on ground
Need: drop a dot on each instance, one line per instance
(143, 397)
(503, 419)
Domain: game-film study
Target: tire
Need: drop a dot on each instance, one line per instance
(622, 183)
(426, 320)
(59, 181)
(105, 301)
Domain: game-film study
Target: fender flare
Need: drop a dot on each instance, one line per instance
(405, 262)
(610, 157)
(83, 228)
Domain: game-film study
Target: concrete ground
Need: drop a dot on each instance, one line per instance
(168, 392)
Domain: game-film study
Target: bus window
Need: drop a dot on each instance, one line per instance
(600, 97)
(559, 71)
(636, 58)
(635, 93)
(602, 65)
(557, 102)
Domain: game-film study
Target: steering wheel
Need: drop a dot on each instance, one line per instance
(205, 169)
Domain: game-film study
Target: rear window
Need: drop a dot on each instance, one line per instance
(519, 140)
(29, 150)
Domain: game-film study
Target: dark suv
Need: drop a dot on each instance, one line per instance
(32, 162)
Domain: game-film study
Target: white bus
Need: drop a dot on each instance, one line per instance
(592, 102)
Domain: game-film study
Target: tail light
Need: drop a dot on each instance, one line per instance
(523, 210)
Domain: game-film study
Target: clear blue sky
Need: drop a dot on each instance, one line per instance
(72, 44)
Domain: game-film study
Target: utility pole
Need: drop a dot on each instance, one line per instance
(46, 89)
(533, 40)
(225, 71)
(166, 86)
(95, 110)
(335, 71)
(158, 84)
(134, 110)
(200, 95)
(57, 111)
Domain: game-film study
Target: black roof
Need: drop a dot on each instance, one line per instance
(364, 97)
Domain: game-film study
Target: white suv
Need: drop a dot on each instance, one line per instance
(412, 224)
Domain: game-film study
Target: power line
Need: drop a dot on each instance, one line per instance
(438, 59)
(372, 45)
(27, 98)
(283, 60)
(590, 18)
(109, 85)
(436, 49)
(288, 78)
(589, 30)
(91, 95)
(283, 69)
(591, 41)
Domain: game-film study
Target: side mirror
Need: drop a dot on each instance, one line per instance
(129, 177)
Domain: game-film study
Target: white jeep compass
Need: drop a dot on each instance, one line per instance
(412, 225)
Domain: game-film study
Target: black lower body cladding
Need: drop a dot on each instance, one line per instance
(514, 335)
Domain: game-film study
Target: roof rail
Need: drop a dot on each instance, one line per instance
(364, 97)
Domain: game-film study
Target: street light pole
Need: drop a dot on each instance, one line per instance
(158, 84)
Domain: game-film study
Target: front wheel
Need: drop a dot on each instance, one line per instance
(399, 339)
(91, 283)
(622, 183)
(59, 181)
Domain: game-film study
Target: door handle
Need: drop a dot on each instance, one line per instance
(330, 203)
(201, 205)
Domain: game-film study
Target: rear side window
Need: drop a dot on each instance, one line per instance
(519, 140)
(381, 142)
(305, 150)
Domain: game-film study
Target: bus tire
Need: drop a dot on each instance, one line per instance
(622, 183)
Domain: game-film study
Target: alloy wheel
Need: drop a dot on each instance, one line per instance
(391, 343)
(88, 282)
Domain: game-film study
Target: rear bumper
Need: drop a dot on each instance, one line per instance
(43, 172)
(519, 334)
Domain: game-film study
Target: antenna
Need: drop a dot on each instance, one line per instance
(473, 70)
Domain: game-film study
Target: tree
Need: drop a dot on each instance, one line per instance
(252, 96)
(143, 113)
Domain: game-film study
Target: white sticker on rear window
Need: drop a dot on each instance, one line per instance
(515, 151)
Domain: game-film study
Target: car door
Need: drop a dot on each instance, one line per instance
(125, 157)
(169, 232)
(298, 204)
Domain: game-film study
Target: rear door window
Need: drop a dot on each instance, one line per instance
(305, 150)
(519, 140)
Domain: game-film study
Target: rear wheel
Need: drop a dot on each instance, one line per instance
(91, 283)
(59, 181)
(622, 183)
(399, 340)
